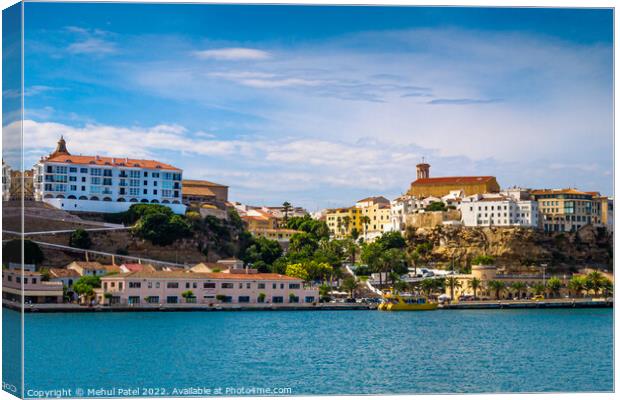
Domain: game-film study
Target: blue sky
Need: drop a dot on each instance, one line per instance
(322, 106)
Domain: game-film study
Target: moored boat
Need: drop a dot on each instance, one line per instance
(397, 302)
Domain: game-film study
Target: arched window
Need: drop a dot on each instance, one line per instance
(48, 196)
(83, 198)
(165, 202)
(72, 197)
(107, 199)
(144, 201)
(94, 198)
(60, 196)
(121, 200)
(154, 201)
(176, 202)
(133, 200)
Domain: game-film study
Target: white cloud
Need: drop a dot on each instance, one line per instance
(232, 54)
(92, 46)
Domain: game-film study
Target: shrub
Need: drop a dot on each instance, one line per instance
(483, 259)
(162, 229)
(12, 252)
(80, 238)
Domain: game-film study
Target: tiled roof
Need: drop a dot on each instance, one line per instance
(559, 191)
(194, 182)
(91, 265)
(134, 267)
(453, 180)
(111, 161)
(197, 191)
(63, 273)
(374, 199)
(204, 275)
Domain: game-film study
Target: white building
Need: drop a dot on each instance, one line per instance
(498, 210)
(400, 207)
(6, 181)
(105, 184)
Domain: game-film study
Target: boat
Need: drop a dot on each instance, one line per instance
(397, 302)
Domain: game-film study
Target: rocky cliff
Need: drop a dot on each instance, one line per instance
(515, 248)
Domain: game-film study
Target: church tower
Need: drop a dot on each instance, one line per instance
(61, 148)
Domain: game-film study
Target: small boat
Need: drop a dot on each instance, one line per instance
(397, 302)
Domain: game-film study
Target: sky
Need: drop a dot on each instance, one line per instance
(322, 106)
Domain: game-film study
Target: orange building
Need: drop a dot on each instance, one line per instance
(425, 186)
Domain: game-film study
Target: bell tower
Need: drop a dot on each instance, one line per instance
(423, 170)
(61, 148)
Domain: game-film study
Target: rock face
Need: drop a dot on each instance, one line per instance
(515, 248)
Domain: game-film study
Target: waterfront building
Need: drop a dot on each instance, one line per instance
(200, 192)
(105, 184)
(178, 287)
(564, 210)
(375, 216)
(6, 181)
(92, 268)
(425, 186)
(29, 284)
(498, 210)
(487, 273)
(64, 275)
(343, 221)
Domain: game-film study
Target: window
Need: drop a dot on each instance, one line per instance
(134, 174)
(34, 280)
(107, 172)
(153, 299)
(277, 299)
(73, 179)
(248, 285)
(150, 285)
(133, 300)
(294, 285)
(156, 285)
(186, 285)
(134, 285)
(261, 285)
(309, 299)
(293, 299)
(209, 285)
(83, 170)
(172, 299)
(244, 299)
(107, 181)
(95, 171)
(25, 280)
(95, 181)
(172, 285)
(227, 285)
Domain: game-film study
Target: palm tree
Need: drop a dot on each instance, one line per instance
(538, 288)
(349, 284)
(365, 219)
(427, 285)
(453, 282)
(413, 256)
(554, 285)
(346, 221)
(608, 287)
(518, 287)
(595, 281)
(577, 285)
(474, 284)
(497, 286)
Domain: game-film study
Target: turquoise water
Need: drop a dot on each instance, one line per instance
(325, 352)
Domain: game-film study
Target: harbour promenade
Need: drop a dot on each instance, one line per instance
(469, 305)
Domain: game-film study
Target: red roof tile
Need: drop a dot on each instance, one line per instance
(111, 161)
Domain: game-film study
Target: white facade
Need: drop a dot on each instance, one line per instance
(498, 210)
(104, 184)
(6, 181)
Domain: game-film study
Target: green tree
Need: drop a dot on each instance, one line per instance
(324, 292)
(365, 220)
(483, 259)
(80, 238)
(413, 257)
(518, 287)
(607, 287)
(286, 208)
(577, 284)
(453, 283)
(538, 289)
(261, 253)
(188, 295)
(86, 285)
(474, 284)
(298, 271)
(428, 286)
(497, 286)
(12, 252)
(435, 206)
(595, 281)
(553, 286)
(162, 229)
(108, 297)
(349, 285)
(400, 286)
(391, 240)
(261, 297)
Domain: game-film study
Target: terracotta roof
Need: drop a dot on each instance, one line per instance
(111, 161)
(194, 182)
(87, 264)
(559, 191)
(375, 199)
(454, 180)
(197, 191)
(134, 267)
(63, 273)
(203, 275)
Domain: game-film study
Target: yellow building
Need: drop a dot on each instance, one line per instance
(377, 211)
(259, 221)
(342, 221)
(425, 186)
(279, 234)
(565, 210)
(486, 273)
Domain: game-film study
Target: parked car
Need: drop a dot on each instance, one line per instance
(538, 297)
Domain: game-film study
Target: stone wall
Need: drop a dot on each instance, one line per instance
(431, 219)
